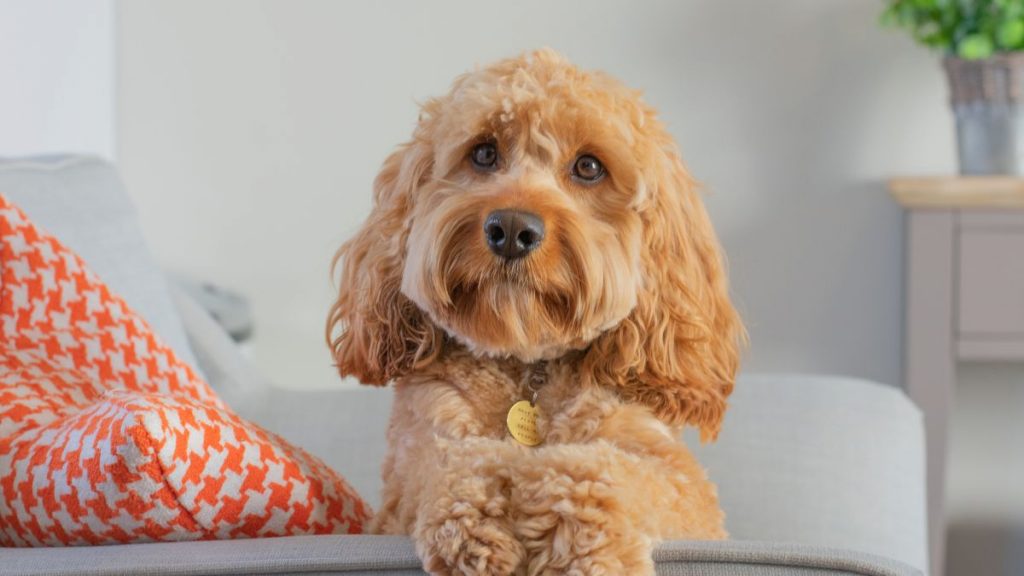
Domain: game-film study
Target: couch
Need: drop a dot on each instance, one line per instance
(817, 474)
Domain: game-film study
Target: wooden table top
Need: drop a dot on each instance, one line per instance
(959, 191)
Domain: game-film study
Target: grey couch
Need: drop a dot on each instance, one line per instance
(818, 475)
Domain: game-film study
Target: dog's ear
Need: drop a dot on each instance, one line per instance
(678, 350)
(375, 332)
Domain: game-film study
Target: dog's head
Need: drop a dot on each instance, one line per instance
(537, 210)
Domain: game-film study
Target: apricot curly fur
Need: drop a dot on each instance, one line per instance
(624, 306)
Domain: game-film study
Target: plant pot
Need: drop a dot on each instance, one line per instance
(987, 97)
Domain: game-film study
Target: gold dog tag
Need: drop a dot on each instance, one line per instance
(522, 423)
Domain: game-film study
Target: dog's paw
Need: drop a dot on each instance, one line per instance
(582, 549)
(469, 544)
(578, 527)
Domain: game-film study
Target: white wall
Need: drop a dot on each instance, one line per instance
(249, 134)
(57, 77)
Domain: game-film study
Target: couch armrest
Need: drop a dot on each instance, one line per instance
(394, 555)
(822, 460)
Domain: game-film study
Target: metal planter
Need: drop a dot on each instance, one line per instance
(987, 97)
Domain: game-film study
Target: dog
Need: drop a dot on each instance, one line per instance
(540, 281)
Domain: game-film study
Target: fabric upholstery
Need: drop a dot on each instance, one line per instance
(391, 555)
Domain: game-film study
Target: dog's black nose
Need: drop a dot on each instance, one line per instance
(513, 234)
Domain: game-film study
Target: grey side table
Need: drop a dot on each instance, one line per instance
(964, 296)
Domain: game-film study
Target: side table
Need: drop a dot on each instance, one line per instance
(964, 300)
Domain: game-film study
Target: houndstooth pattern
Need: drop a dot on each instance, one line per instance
(51, 304)
(106, 437)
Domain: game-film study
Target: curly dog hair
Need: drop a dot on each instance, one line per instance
(539, 238)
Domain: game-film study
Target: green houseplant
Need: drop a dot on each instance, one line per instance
(983, 46)
(970, 29)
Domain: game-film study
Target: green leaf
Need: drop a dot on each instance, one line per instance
(937, 40)
(1010, 34)
(907, 15)
(975, 47)
(1013, 10)
(970, 28)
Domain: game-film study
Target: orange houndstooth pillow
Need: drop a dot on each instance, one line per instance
(106, 437)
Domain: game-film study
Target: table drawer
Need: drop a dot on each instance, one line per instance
(991, 295)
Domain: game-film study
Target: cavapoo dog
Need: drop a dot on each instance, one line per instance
(539, 279)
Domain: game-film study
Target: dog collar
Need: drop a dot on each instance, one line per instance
(522, 416)
(536, 377)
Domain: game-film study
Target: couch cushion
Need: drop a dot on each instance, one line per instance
(80, 200)
(106, 436)
(818, 460)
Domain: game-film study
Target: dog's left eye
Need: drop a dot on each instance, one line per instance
(588, 169)
(484, 156)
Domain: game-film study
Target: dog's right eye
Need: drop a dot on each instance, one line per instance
(484, 156)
